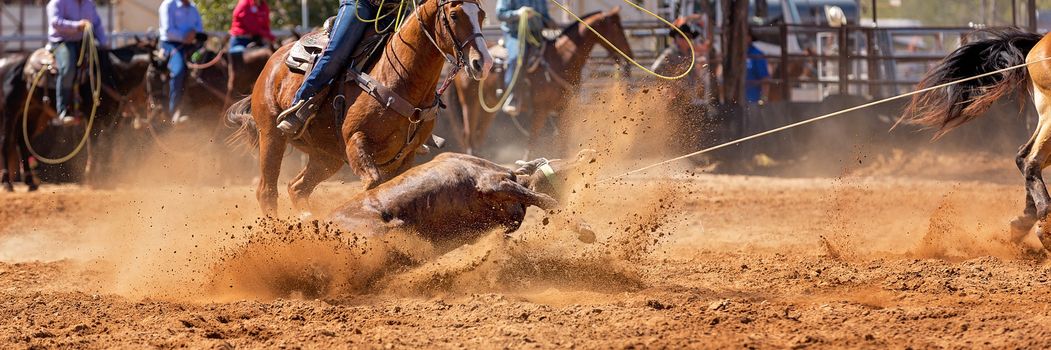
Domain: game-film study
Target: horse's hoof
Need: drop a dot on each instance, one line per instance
(33, 187)
(1020, 228)
(9, 188)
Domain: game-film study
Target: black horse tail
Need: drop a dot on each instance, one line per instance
(952, 106)
(239, 116)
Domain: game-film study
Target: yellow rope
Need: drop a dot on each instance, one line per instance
(523, 32)
(87, 48)
(524, 35)
(822, 117)
(693, 54)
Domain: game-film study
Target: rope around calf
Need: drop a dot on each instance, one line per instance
(88, 48)
(818, 118)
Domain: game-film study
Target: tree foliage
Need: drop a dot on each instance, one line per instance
(284, 14)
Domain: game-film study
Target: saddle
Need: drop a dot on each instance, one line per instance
(307, 50)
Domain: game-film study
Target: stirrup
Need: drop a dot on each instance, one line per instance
(293, 121)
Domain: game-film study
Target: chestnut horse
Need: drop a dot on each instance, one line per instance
(374, 140)
(551, 85)
(952, 106)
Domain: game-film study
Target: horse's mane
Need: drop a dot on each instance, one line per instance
(572, 27)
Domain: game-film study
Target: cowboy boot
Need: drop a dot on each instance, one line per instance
(293, 121)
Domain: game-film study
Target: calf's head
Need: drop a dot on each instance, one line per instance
(549, 176)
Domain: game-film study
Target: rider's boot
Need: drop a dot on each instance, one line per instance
(511, 106)
(64, 118)
(293, 120)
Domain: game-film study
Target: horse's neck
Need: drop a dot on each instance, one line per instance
(411, 64)
(572, 51)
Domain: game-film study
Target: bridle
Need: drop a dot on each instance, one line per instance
(459, 58)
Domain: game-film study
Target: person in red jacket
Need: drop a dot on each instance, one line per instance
(251, 24)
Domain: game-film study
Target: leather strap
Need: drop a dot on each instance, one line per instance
(389, 99)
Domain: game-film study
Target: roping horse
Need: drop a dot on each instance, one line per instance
(128, 68)
(552, 81)
(377, 140)
(952, 106)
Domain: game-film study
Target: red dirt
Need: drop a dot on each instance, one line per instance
(738, 261)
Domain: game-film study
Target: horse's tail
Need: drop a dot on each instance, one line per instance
(952, 106)
(239, 116)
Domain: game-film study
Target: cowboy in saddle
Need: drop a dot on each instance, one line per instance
(68, 19)
(346, 31)
(509, 12)
(181, 28)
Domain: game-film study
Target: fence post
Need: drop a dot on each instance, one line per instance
(873, 63)
(786, 84)
(844, 61)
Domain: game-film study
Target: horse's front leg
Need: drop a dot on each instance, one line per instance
(359, 157)
(1032, 167)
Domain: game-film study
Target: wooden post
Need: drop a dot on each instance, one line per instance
(844, 61)
(1014, 13)
(709, 32)
(875, 90)
(44, 23)
(736, 53)
(786, 84)
(1032, 15)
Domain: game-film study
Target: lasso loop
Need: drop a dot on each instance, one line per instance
(693, 54)
(524, 36)
(88, 49)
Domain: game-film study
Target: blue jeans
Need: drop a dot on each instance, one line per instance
(66, 55)
(177, 54)
(511, 43)
(347, 32)
(238, 44)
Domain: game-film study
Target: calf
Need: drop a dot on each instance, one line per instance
(457, 197)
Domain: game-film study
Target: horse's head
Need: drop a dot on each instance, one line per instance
(610, 26)
(130, 63)
(459, 31)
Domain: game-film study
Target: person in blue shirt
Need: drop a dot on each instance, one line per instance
(67, 21)
(757, 72)
(345, 34)
(509, 12)
(180, 24)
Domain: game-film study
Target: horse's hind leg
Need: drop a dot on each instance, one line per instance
(319, 168)
(1034, 164)
(271, 153)
(1021, 225)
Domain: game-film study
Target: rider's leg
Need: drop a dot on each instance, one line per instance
(177, 75)
(66, 54)
(346, 33)
(511, 44)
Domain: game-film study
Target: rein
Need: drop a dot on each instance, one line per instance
(390, 99)
(215, 60)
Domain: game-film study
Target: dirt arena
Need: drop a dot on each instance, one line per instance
(889, 254)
